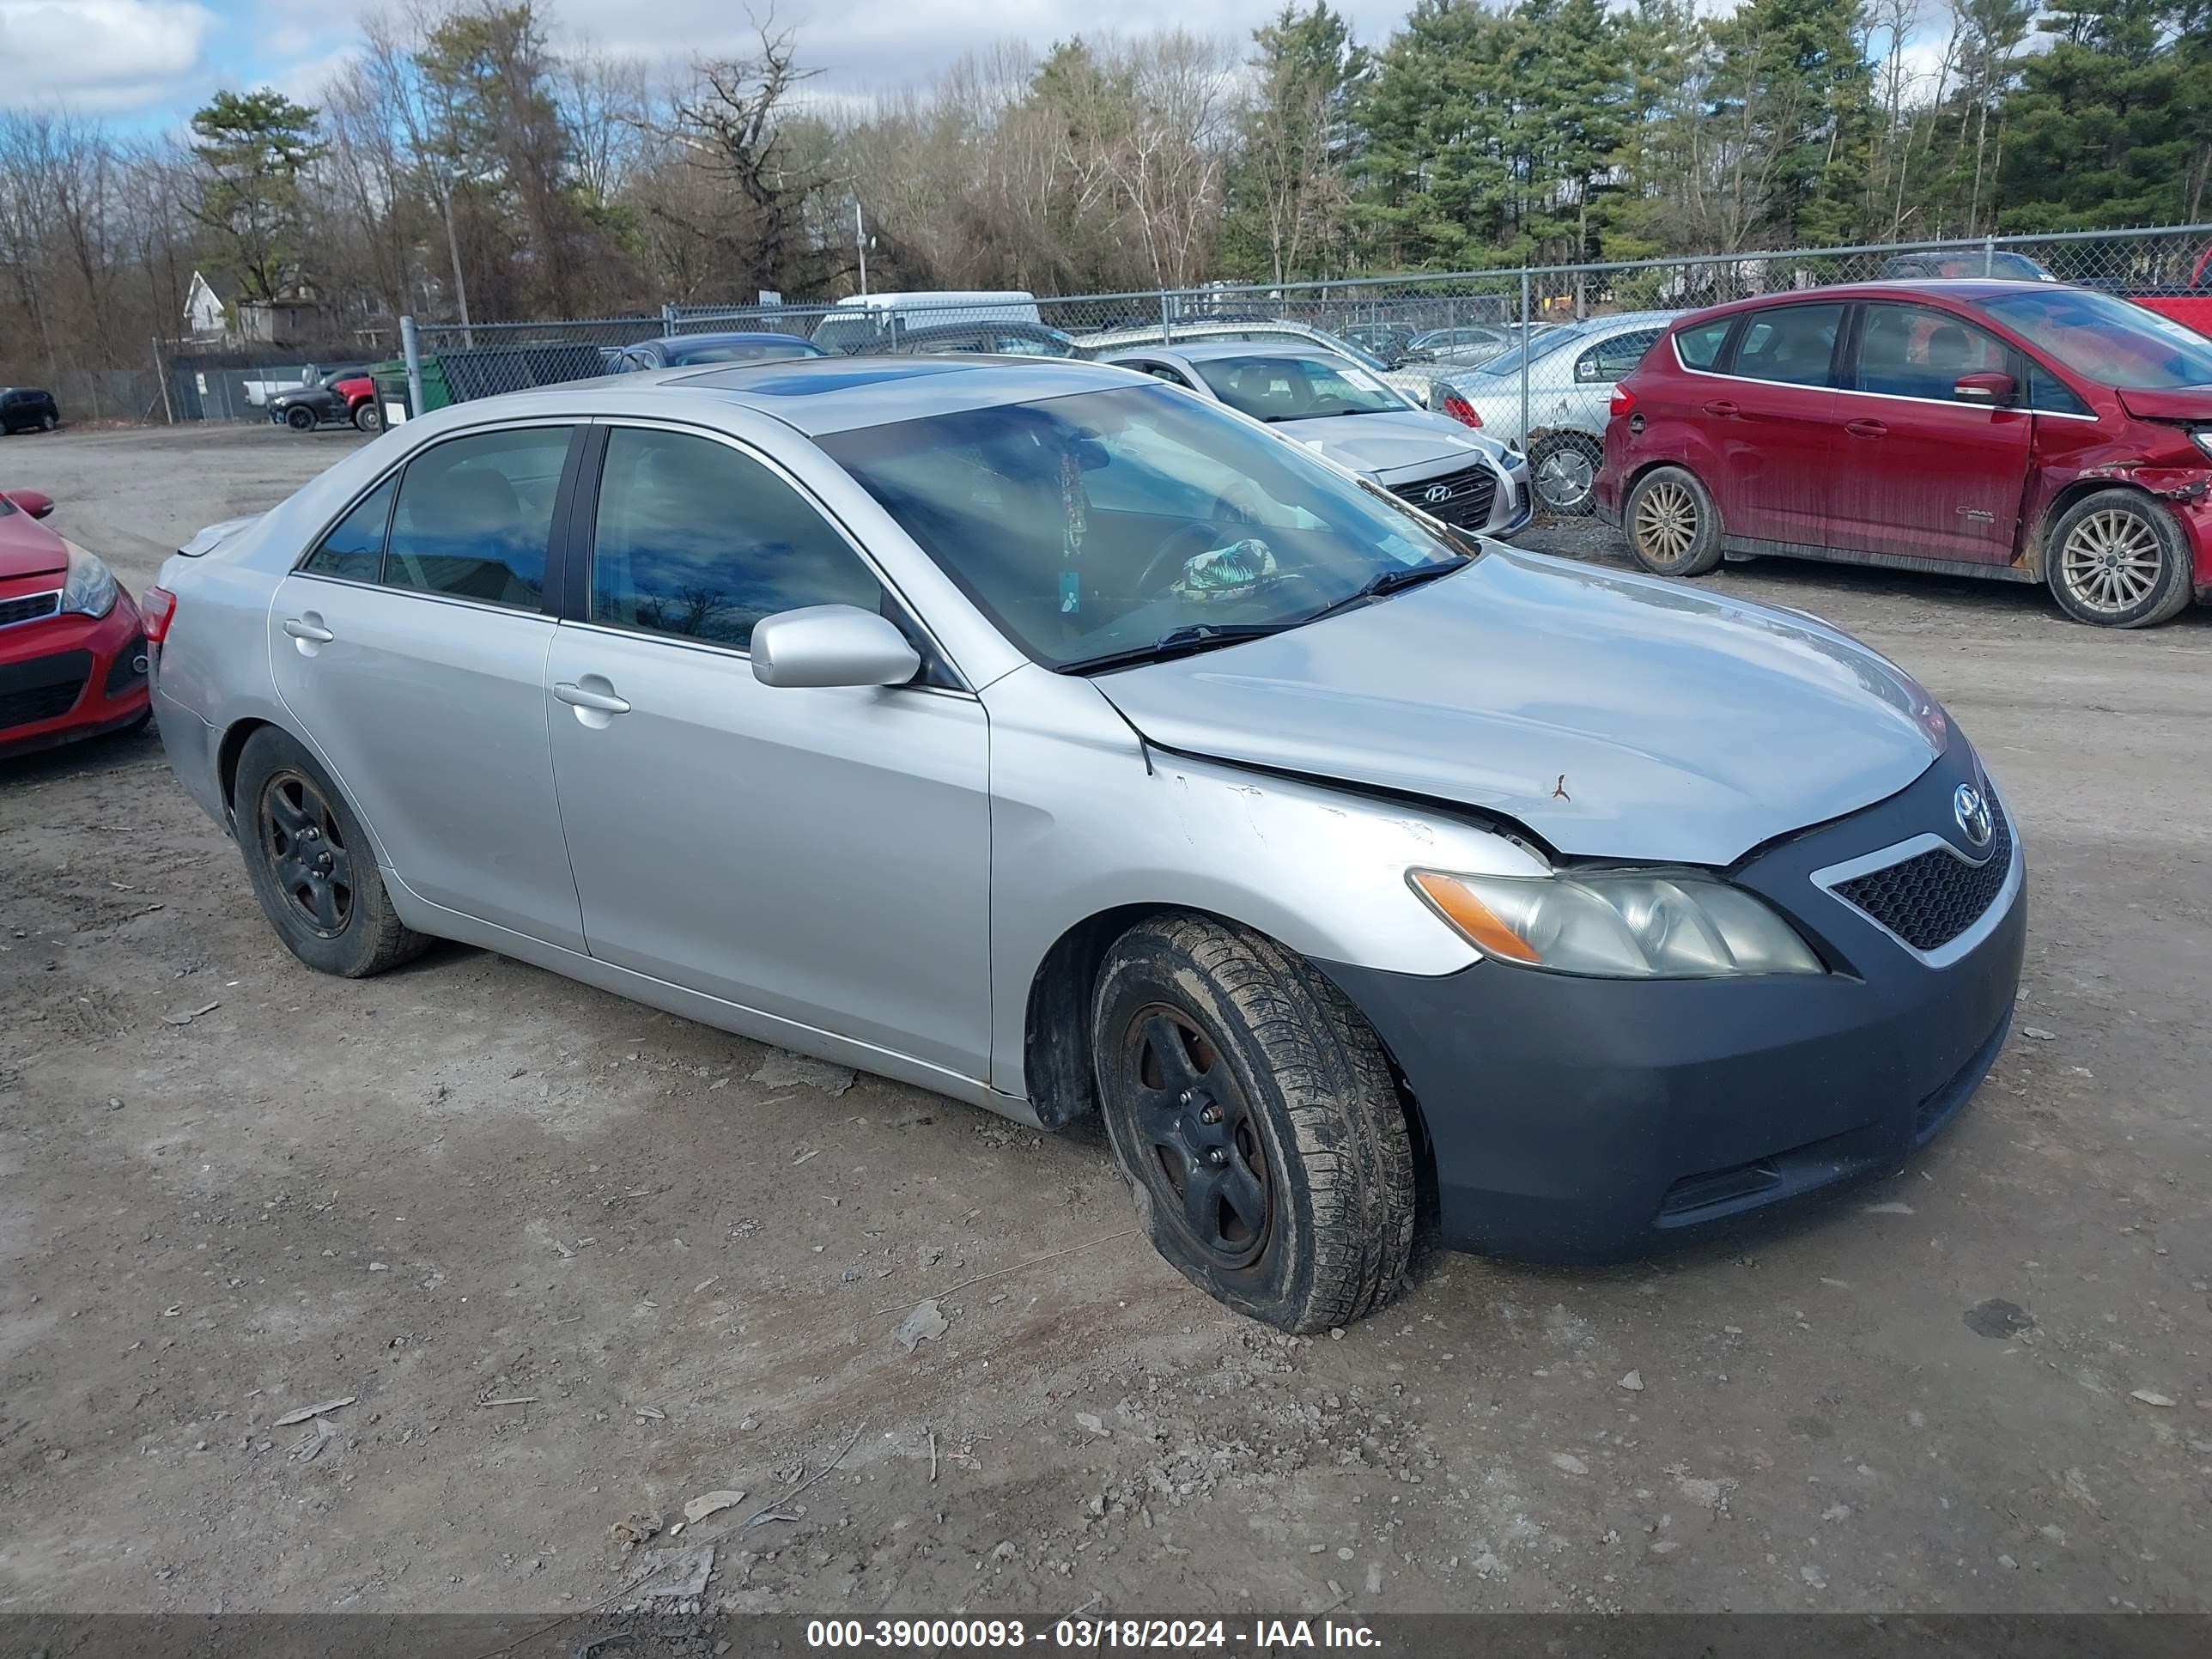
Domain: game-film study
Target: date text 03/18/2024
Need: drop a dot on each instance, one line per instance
(1253, 1636)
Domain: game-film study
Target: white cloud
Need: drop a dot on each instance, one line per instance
(98, 55)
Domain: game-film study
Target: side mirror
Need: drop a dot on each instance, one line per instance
(1991, 388)
(831, 645)
(37, 505)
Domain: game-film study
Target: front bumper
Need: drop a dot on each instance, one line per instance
(1575, 1120)
(72, 676)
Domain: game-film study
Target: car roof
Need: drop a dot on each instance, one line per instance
(818, 395)
(1208, 351)
(735, 337)
(1934, 287)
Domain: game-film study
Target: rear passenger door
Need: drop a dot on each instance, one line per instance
(409, 645)
(1770, 417)
(1918, 473)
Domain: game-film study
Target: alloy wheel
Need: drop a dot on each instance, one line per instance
(2112, 562)
(1564, 477)
(1666, 521)
(1202, 1153)
(305, 847)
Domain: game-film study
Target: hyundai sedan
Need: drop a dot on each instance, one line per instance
(1055, 740)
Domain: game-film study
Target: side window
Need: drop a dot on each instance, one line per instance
(1918, 351)
(2049, 395)
(1791, 344)
(474, 515)
(696, 539)
(1700, 347)
(355, 547)
(1613, 359)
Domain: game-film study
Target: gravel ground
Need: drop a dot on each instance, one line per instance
(572, 1262)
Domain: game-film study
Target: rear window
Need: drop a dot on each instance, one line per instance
(1790, 344)
(1700, 347)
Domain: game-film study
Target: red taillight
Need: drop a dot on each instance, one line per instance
(155, 607)
(1460, 409)
(1623, 401)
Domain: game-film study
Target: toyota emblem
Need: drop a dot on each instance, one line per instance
(1971, 808)
(1437, 495)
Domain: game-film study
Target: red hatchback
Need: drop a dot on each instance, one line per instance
(2025, 431)
(72, 646)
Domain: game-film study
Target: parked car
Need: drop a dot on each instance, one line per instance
(1971, 264)
(1413, 380)
(1387, 342)
(2189, 304)
(1571, 371)
(869, 322)
(1006, 339)
(694, 350)
(1337, 408)
(72, 648)
(1345, 874)
(348, 398)
(1471, 346)
(28, 408)
(2027, 431)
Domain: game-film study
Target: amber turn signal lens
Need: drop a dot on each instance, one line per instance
(1473, 917)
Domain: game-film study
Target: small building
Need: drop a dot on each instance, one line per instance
(208, 304)
(290, 321)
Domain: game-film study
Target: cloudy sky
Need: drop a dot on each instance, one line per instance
(153, 61)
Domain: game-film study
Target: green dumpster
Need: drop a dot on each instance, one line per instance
(392, 393)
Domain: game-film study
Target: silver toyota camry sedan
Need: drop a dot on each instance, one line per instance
(1046, 737)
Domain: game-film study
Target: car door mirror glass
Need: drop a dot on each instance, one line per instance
(829, 645)
(1990, 387)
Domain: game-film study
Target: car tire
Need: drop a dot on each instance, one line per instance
(290, 817)
(48, 422)
(1216, 1048)
(300, 418)
(368, 416)
(1674, 528)
(1563, 472)
(2117, 559)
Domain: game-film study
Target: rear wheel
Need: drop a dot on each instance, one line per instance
(312, 865)
(367, 416)
(48, 422)
(299, 417)
(2117, 559)
(1674, 528)
(1254, 1116)
(1563, 471)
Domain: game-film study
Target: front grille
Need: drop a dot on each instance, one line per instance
(1930, 899)
(39, 702)
(1467, 497)
(29, 608)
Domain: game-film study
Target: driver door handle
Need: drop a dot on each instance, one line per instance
(577, 697)
(1866, 428)
(1720, 406)
(301, 629)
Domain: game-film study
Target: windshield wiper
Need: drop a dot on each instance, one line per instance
(1390, 581)
(1179, 642)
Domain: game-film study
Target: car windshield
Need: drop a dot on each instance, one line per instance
(1277, 388)
(2109, 340)
(741, 351)
(1542, 346)
(1112, 522)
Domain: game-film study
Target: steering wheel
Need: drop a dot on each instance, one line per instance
(1181, 547)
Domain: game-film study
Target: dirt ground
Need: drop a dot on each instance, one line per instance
(574, 1261)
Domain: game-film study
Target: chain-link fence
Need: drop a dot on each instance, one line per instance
(1530, 356)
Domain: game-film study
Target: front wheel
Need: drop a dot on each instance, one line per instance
(1254, 1116)
(1563, 471)
(1674, 528)
(311, 864)
(300, 418)
(368, 416)
(47, 422)
(2117, 559)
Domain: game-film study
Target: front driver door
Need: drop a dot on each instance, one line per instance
(820, 855)
(410, 646)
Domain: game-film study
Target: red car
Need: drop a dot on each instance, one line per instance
(72, 644)
(2027, 431)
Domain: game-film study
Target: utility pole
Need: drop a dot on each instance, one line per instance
(860, 241)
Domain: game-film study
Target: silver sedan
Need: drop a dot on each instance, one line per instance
(1051, 738)
(1337, 408)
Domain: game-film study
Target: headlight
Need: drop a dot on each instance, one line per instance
(1633, 925)
(2203, 437)
(90, 589)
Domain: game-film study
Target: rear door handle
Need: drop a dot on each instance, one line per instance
(577, 696)
(299, 628)
(1866, 428)
(1720, 406)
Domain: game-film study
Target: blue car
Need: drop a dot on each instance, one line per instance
(685, 350)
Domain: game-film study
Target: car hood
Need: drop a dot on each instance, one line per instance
(1388, 445)
(27, 548)
(2179, 402)
(1613, 715)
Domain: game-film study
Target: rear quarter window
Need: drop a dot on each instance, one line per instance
(1700, 347)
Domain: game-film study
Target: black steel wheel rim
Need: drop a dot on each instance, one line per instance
(305, 847)
(1199, 1143)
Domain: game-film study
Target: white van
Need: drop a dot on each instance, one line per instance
(868, 320)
